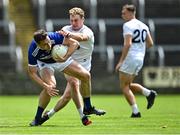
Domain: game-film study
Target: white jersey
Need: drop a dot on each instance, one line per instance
(139, 32)
(86, 47)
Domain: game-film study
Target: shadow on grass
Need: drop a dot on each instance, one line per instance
(24, 126)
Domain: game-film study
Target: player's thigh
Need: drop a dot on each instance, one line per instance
(76, 70)
(131, 66)
(86, 63)
(47, 75)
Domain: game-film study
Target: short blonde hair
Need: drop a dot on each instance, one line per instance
(76, 11)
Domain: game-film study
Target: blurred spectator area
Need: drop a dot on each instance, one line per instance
(11, 55)
(104, 17)
(1, 10)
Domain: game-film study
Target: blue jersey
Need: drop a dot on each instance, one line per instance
(35, 53)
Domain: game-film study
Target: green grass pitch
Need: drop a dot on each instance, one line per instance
(164, 118)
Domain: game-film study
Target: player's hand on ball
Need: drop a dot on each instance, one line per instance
(60, 59)
(59, 53)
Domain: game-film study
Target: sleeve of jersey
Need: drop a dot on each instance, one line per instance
(32, 61)
(65, 28)
(127, 30)
(58, 38)
(148, 31)
(89, 33)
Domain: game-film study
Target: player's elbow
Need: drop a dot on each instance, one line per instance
(150, 44)
(149, 41)
(127, 45)
(83, 38)
(76, 44)
(30, 72)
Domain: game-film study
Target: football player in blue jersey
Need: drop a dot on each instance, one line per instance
(40, 60)
(80, 32)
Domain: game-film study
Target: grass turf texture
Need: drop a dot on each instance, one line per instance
(164, 118)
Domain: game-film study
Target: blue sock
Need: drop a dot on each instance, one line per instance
(39, 113)
(87, 103)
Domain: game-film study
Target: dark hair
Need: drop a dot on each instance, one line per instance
(130, 8)
(40, 35)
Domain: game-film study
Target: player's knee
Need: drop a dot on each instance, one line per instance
(126, 90)
(124, 87)
(45, 94)
(73, 83)
(86, 76)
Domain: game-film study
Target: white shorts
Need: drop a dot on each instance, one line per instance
(55, 66)
(86, 63)
(131, 66)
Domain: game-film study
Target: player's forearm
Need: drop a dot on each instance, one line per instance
(72, 48)
(37, 79)
(149, 41)
(149, 44)
(124, 53)
(78, 36)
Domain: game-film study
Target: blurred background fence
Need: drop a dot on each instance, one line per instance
(19, 19)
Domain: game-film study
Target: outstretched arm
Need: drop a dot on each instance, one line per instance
(72, 44)
(33, 74)
(77, 36)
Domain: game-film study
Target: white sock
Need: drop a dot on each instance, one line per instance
(146, 92)
(51, 113)
(81, 114)
(135, 109)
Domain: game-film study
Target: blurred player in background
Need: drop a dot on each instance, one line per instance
(40, 59)
(80, 32)
(136, 38)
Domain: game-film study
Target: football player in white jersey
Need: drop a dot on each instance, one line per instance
(136, 38)
(80, 32)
